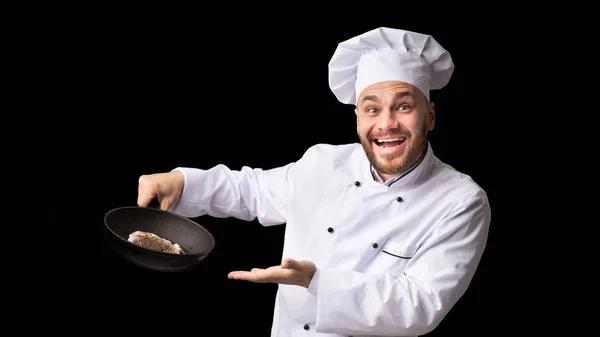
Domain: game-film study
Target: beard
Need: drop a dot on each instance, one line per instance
(414, 149)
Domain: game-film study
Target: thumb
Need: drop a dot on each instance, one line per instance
(166, 203)
(289, 264)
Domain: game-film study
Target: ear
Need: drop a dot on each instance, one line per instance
(356, 113)
(431, 116)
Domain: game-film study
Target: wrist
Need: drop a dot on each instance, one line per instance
(179, 178)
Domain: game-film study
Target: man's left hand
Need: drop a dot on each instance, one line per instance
(292, 272)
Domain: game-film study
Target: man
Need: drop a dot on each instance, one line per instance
(382, 238)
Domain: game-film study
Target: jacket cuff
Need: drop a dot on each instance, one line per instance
(313, 287)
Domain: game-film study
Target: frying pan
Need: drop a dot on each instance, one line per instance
(195, 240)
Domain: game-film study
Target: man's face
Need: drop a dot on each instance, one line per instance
(393, 119)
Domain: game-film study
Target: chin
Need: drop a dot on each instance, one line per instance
(394, 166)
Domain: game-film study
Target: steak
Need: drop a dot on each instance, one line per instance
(154, 242)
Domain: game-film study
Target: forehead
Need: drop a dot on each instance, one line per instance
(389, 90)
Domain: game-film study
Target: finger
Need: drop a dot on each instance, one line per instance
(147, 190)
(144, 198)
(254, 270)
(165, 204)
(242, 275)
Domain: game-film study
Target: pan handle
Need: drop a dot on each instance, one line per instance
(154, 203)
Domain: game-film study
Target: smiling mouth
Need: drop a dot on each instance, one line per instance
(385, 143)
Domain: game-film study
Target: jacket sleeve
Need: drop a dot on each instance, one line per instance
(247, 194)
(352, 303)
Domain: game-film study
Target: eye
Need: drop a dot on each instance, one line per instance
(404, 107)
(371, 110)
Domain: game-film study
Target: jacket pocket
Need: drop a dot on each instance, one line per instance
(399, 250)
(391, 257)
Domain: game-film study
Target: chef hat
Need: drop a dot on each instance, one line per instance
(385, 54)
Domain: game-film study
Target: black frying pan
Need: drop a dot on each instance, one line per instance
(195, 240)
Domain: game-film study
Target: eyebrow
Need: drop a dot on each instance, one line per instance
(397, 96)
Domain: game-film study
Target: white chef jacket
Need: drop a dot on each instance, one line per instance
(391, 260)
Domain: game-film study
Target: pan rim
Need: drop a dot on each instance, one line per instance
(176, 256)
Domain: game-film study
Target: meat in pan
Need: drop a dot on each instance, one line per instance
(154, 242)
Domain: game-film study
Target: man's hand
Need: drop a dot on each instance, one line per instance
(165, 187)
(290, 272)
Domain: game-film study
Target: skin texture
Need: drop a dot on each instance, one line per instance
(385, 110)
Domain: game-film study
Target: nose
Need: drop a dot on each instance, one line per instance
(387, 120)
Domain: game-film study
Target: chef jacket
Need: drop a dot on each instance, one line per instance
(391, 260)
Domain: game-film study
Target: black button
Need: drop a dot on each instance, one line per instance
(330, 230)
(399, 199)
(357, 183)
(375, 245)
(306, 327)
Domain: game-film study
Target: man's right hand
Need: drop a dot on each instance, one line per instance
(165, 187)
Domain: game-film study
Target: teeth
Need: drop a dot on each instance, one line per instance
(388, 140)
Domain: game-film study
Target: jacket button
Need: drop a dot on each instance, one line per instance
(399, 199)
(330, 230)
(375, 245)
(306, 327)
(357, 183)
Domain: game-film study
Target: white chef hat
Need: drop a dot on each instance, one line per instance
(385, 54)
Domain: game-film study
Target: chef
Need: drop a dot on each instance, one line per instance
(382, 237)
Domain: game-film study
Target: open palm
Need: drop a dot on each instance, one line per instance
(292, 272)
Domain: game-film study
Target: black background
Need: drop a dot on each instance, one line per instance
(145, 90)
